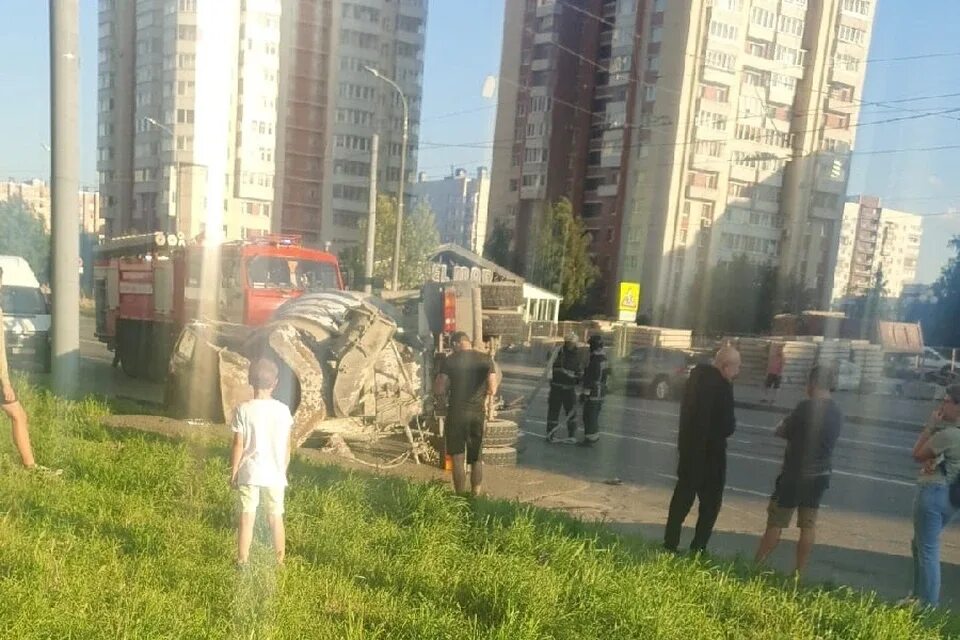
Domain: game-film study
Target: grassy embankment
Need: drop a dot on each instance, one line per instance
(136, 541)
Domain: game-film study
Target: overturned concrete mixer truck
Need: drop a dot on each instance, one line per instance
(354, 367)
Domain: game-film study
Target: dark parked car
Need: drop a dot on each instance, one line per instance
(655, 371)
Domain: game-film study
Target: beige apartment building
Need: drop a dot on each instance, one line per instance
(188, 93)
(727, 130)
(246, 117)
(459, 203)
(761, 99)
(36, 195)
(876, 240)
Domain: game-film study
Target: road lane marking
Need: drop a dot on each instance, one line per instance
(733, 454)
(762, 428)
(727, 487)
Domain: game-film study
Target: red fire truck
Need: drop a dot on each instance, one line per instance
(147, 287)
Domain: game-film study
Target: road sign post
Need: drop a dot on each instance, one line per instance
(629, 301)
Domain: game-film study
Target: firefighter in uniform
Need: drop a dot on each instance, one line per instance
(565, 376)
(594, 390)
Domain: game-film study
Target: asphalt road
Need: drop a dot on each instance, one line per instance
(873, 470)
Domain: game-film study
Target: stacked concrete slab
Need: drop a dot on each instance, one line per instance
(869, 357)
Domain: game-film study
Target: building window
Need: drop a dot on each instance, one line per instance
(704, 179)
(762, 18)
(856, 7)
(712, 148)
(716, 93)
(789, 55)
(709, 120)
(723, 31)
(720, 60)
(850, 34)
(739, 190)
(842, 92)
(539, 103)
(791, 26)
(846, 62)
(758, 48)
(754, 78)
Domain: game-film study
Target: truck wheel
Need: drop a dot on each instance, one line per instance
(499, 456)
(127, 345)
(500, 433)
(501, 295)
(502, 323)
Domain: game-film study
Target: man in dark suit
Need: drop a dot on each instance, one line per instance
(706, 421)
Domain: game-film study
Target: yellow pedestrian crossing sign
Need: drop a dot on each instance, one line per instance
(629, 301)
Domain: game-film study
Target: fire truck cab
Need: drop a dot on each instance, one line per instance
(147, 287)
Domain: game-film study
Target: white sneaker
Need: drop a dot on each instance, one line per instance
(568, 440)
(552, 434)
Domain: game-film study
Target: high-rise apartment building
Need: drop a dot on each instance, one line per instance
(254, 115)
(713, 129)
(566, 90)
(459, 203)
(334, 106)
(876, 242)
(188, 93)
(388, 36)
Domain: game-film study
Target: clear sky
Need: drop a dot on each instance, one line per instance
(463, 47)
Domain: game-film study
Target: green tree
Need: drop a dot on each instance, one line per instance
(497, 247)
(941, 327)
(741, 297)
(23, 233)
(419, 241)
(562, 260)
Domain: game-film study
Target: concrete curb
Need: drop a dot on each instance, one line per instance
(886, 423)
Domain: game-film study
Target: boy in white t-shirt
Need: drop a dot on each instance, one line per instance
(261, 453)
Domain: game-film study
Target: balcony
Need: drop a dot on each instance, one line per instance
(743, 173)
(700, 192)
(542, 64)
(715, 75)
(544, 37)
(532, 193)
(548, 8)
(607, 190)
(782, 95)
(840, 105)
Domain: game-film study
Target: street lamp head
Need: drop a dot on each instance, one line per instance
(372, 70)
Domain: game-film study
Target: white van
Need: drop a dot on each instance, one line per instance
(26, 315)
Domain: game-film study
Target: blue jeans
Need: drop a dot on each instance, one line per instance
(932, 512)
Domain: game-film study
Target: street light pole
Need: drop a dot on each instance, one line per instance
(403, 161)
(64, 186)
(172, 222)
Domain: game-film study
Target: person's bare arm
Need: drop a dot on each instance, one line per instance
(921, 450)
(236, 452)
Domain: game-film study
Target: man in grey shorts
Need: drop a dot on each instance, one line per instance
(811, 432)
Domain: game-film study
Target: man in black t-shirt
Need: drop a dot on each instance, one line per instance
(469, 378)
(811, 432)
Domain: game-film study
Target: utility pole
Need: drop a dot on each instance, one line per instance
(403, 159)
(403, 180)
(65, 184)
(372, 219)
